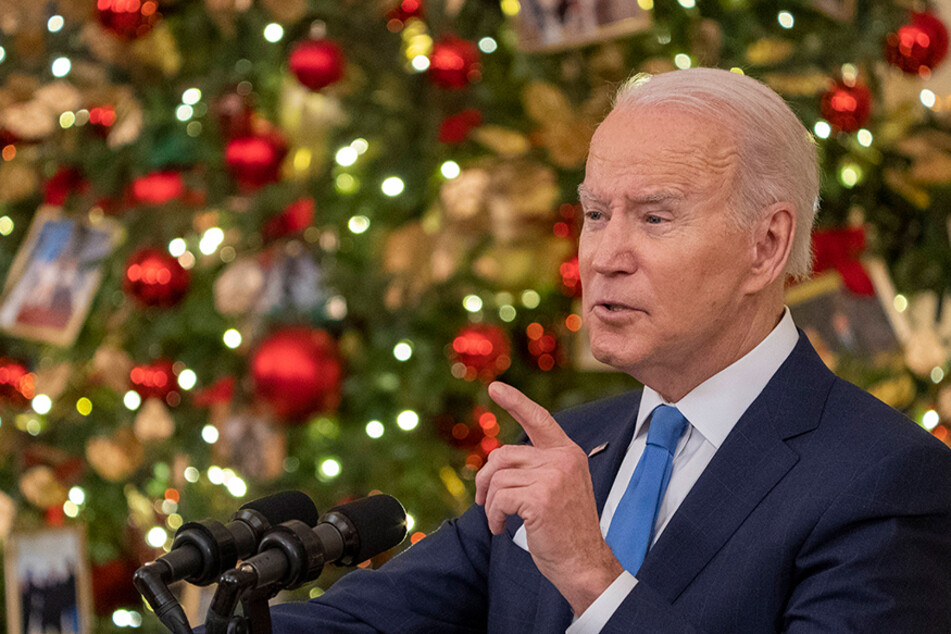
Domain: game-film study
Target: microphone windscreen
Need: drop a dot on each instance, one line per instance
(380, 522)
(284, 506)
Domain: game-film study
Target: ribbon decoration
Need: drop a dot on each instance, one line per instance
(840, 249)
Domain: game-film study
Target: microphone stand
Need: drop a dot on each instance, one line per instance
(290, 555)
(234, 585)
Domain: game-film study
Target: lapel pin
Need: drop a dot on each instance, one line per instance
(597, 450)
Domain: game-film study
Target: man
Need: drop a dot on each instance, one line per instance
(788, 499)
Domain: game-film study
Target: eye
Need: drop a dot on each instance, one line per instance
(654, 220)
(594, 215)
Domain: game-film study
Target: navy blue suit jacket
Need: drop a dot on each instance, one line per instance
(823, 511)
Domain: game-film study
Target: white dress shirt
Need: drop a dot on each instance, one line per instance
(712, 409)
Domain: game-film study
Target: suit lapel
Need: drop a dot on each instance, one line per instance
(752, 459)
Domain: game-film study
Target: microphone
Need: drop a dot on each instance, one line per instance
(291, 553)
(202, 550)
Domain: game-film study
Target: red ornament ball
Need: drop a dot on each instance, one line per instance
(255, 161)
(455, 128)
(154, 379)
(129, 19)
(297, 371)
(847, 107)
(16, 383)
(454, 63)
(317, 63)
(66, 182)
(918, 47)
(482, 351)
(297, 216)
(112, 586)
(570, 277)
(406, 9)
(158, 188)
(155, 278)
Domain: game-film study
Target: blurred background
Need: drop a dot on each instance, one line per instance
(255, 245)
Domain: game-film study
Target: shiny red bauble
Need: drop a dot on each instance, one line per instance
(129, 19)
(155, 278)
(454, 63)
(317, 63)
(455, 128)
(16, 383)
(405, 10)
(483, 350)
(297, 371)
(255, 161)
(570, 277)
(847, 108)
(153, 379)
(297, 216)
(158, 188)
(918, 47)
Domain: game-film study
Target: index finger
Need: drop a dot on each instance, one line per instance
(543, 430)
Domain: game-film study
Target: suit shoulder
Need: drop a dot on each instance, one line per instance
(864, 415)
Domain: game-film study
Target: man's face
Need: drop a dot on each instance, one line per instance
(662, 267)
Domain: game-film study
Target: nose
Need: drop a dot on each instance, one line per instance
(611, 249)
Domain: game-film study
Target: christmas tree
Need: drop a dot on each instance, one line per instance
(257, 246)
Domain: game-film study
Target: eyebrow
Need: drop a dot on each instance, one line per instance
(652, 197)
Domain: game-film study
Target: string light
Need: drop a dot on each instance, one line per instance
(209, 433)
(375, 429)
(184, 112)
(682, 61)
(42, 404)
(531, 299)
(864, 137)
(77, 496)
(403, 351)
(84, 406)
(177, 247)
(928, 98)
(156, 537)
(132, 400)
(330, 468)
(187, 379)
(358, 224)
(392, 186)
(273, 32)
(472, 303)
(420, 63)
(450, 169)
(488, 45)
(61, 67)
(930, 419)
(360, 145)
(346, 156)
(191, 474)
(6, 226)
(191, 96)
(407, 420)
(937, 375)
(822, 129)
(211, 240)
(507, 313)
(786, 19)
(232, 338)
(901, 303)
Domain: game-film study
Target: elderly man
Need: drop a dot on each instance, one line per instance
(746, 488)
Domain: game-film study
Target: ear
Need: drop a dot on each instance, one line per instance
(772, 239)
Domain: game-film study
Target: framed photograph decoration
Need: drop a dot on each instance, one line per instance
(54, 277)
(47, 580)
(842, 323)
(552, 25)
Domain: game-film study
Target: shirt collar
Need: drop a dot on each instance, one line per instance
(715, 406)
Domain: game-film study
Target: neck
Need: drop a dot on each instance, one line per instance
(753, 326)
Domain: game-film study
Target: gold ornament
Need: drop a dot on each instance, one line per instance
(101, 43)
(503, 141)
(153, 422)
(898, 392)
(29, 120)
(924, 352)
(562, 129)
(462, 197)
(8, 513)
(797, 84)
(111, 367)
(114, 458)
(769, 51)
(41, 488)
(309, 119)
(286, 11)
(159, 50)
(17, 180)
(239, 287)
(52, 380)
(59, 96)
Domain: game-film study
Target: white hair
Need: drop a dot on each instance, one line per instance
(777, 155)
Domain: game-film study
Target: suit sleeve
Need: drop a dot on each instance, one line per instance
(437, 585)
(878, 559)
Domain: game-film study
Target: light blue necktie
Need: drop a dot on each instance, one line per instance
(632, 527)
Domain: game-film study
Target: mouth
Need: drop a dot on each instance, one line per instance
(613, 308)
